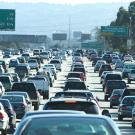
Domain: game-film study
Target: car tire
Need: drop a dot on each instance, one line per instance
(111, 106)
(129, 81)
(120, 118)
(133, 124)
(106, 98)
(36, 106)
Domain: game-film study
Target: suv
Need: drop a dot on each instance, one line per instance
(104, 67)
(111, 76)
(41, 84)
(131, 76)
(30, 88)
(111, 85)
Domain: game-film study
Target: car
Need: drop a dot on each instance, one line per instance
(119, 65)
(115, 96)
(125, 107)
(30, 88)
(19, 104)
(103, 76)
(75, 85)
(76, 69)
(22, 70)
(4, 120)
(89, 106)
(95, 61)
(13, 63)
(36, 52)
(128, 66)
(115, 59)
(26, 56)
(98, 65)
(53, 68)
(44, 55)
(111, 76)
(128, 91)
(111, 85)
(21, 59)
(107, 58)
(104, 67)
(57, 63)
(41, 84)
(131, 76)
(76, 75)
(4, 65)
(26, 96)
(38, 59)
(64, 124)
(6, 81)
(10, 112)
(33, 64)
(15, 77)
(76, 64)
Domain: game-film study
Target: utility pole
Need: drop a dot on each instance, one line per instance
(69, 30)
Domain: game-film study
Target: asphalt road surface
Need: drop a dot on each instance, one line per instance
(93, 81)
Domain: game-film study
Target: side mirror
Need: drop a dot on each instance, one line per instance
(106, 113)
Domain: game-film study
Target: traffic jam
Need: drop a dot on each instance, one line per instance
(49, 92)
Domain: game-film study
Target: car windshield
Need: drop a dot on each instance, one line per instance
(13, 98)
(65, 126)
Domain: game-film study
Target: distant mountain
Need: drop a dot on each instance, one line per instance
(45, 18)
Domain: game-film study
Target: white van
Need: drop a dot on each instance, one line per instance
(41, 84)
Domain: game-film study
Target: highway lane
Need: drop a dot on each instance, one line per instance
(94, 85)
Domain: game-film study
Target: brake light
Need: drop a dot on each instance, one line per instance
(70, 102)
(115, 97)
(1, 116)
(124, 108)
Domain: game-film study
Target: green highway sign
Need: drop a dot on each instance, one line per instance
(115, 31)
(7, 19)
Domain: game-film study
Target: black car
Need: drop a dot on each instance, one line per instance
(30, 88)
(111, 85)
(75, 85)
(10, 112)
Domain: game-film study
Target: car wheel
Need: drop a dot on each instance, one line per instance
(129, 81)
(120, 118)
(111, 106)
(106, 98)
(36, 106)
(133, 124)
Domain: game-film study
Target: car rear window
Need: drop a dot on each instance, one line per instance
(129, 101)
(28, 87)
(129, 92)
(87, 107)
(79, 70)
(75, 75)
(113, 77)
(75, 85)
(116, 85)
(55, 61)
(13, 98)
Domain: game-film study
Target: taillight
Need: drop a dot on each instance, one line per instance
(115, 97)
(1, 116)
(124, 108)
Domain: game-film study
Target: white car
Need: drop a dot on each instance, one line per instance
(57, 63)
(33, 64)
(128, 58)
(4, 120)
(44, 55)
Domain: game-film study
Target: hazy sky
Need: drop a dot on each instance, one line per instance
(69, 1)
